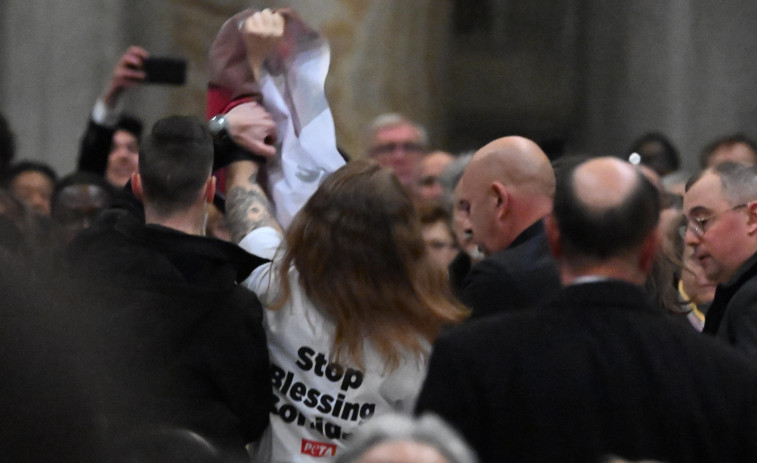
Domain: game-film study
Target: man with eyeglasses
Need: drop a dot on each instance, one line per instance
(400, 144)
(720, 224)
(598, 369)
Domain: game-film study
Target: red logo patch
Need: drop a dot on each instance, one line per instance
(317, 449)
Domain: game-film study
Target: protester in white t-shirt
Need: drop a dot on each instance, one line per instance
(352, 299)
(352, 303)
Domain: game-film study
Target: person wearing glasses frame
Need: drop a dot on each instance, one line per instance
(400, 144)
(720, 224)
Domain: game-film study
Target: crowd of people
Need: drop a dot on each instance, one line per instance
(237, 288)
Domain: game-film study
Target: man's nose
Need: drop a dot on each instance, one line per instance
(690, 238)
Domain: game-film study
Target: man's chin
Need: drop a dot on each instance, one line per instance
(118, 181)
(714, 274)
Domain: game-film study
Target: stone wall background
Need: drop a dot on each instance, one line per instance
(576, 75)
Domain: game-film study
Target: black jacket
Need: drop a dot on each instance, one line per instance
(175, 342)
(518, 277)
(597, 371)
(732, 316)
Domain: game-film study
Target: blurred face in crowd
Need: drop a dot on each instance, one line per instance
(123, 159)
(720, 233)
(399, 148)
(77, 206)
(440, 243)
(431, 167)
(34, 189)
(736, 152)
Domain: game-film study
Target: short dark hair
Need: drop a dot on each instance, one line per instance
(131, 124)
(663, 161)
(607, 232)
(30, 166)
(725, 142)
(175, 161)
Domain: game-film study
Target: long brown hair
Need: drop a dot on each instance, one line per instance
(361, 259)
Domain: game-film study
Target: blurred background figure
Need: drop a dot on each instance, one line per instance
(398, 143)
(32, 183)
(468, 253)
(656, 151)
(431, 167)
(736, 148)
(45, 403)
(110, 145)
(77, 201)
(398, 438)
(436, 227)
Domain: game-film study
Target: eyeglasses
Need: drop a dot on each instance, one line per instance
(438, 245)
(698, 225)
(388, 148)
(428, 181)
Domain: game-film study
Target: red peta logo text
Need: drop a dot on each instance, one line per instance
(317, 449)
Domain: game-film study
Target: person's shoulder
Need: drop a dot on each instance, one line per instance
(492, 329)
(101, 235)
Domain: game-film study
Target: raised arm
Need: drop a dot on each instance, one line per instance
(247, 206)
(128, 72)
(96, 141)
(262, 32)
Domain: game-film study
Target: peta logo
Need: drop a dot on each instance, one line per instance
(317, 449)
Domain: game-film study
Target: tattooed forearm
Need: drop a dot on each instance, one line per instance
(248, 208)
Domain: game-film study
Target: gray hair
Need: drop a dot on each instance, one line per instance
(451, 175)
(739, 181)
(428, 429)
(391, 120)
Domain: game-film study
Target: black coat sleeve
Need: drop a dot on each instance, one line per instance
(95, 148)
(239, 362)
(449, 390)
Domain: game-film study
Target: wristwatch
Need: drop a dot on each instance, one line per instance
(218, 126)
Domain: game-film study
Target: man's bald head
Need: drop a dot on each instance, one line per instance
(515, 161)
(507, 187)
(604, 207)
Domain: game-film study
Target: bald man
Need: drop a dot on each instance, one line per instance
(505, 192)
(598, 370)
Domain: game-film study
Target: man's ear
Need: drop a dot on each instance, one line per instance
(210, 189)
(553, 235)
(502, 197)
(136, 186)
(649, 250)
(751, 217)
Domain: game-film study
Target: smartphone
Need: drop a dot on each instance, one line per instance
(165, 70)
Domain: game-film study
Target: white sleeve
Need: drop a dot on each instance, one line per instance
(104, 115)
(262, 242)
